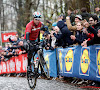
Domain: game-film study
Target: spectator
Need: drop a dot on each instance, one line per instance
(78, 18)
(80, 35)
(49, 41)
(17, 36)
(89, 35)
(85, 14)
(65, 33)
(71, 15)
(42, 31)
(76, 11)
(13, 41)
(59, 42)
(95, 40)
(22, 36)
(61, 17)
(1, 49)
(54, 25)
(93, 21)
(97, 9)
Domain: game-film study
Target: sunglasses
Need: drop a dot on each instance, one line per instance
(90, 20)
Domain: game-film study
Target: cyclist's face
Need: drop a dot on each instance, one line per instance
(36, 21)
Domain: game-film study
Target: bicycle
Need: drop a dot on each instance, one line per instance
(37, 64)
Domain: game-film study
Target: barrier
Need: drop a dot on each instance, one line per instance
(16, 64)
(80, 62)
(50, 58)
(72, 61)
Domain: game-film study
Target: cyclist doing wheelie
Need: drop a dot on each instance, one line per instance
(32, 33)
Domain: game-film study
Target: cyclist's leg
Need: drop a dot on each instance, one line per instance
(30, 54)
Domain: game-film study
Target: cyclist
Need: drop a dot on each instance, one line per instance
(32, 33)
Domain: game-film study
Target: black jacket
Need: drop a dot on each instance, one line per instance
(48, 41)
(97, 26)
(96, 39)
(65, 33)
(80, 37)
(85, 15)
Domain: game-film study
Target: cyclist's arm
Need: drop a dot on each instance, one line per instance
(27, 36)
(39, 37)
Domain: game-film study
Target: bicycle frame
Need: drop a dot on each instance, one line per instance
(35, 73)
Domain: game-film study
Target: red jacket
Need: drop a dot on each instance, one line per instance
(33, 30)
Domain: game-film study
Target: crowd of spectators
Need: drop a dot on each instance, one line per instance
(12, 48)
(82, 29)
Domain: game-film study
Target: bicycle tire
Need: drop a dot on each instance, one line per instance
(43, 64)
(32, 79)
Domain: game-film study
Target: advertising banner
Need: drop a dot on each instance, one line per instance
(23, 59)
(5, 36)
(18, 63)
(50, 58)
(12, 65)
(80, 62)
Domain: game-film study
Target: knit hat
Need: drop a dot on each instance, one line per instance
(79, 17)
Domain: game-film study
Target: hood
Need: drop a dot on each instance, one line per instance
(61, 24)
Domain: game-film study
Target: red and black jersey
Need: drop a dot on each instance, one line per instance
(33, 30)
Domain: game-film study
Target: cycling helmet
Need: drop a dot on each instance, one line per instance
(36, 15)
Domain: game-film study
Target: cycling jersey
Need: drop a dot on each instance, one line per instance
(33, 30)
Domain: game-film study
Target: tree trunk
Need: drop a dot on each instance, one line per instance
(84, 3)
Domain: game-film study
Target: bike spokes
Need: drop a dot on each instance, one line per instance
(44, 66)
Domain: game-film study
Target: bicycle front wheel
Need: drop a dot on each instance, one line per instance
(43, 64)
(32, 78)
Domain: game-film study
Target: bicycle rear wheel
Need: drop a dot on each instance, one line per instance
(32, 78)
(43, 64)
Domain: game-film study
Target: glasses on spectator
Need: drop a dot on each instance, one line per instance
(90, 20)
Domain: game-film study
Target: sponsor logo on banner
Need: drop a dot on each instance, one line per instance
(69, 61)
(98, 62)
(0, 68)
(12, 65)
(5, 36)
(60, 60)
(84, 62)
(4, 67)
(24, 63)
(8, 66)
(47, 60)
(18, 65)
